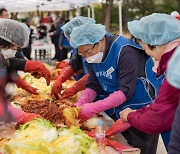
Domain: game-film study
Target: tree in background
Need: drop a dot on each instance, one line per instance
(108, 6)
(135, 9)
(107, 12)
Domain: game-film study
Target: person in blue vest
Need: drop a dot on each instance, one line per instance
(118, 76)
(76, 65)
(64, 45)
(159, 35)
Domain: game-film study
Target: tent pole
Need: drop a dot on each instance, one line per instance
(70, 14)
(120, 17)
(92, 7)
(89, 12)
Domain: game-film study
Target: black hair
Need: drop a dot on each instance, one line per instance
(151, 47)
(134, 39)
(62, 18)
(66, 21)
(2, 10)
(137, 40)
(5, 44)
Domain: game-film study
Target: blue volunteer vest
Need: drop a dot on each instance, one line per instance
(107, 75)
(85, 66)
(65, 42)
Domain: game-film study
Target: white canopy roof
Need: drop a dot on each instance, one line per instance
(43, 5)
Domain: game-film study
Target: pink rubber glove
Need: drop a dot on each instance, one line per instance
(16, 113)
(87, 96)
(115, 99)
(5, 115)
(21, 116)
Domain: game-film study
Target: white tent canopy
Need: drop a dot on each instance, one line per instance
(44, 5)
(53, 5)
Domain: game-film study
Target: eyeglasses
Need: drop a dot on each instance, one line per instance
(82, 53)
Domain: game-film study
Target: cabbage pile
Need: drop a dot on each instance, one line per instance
(42, 137)
(40, 84)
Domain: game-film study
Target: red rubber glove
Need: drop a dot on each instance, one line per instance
(66, 74)
(27, 117)
(38, 67)
(78, 86)
(178, 17)
(22, 84)
(118, 127)
(61, 64)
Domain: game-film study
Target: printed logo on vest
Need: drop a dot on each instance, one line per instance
(110, 70)
(103, 74)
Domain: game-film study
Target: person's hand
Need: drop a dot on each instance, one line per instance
(38, 67)
(87, 111)
(22, 84)
(56, 88)
(69, 92)
(124, 114)
(31, 89)
(27, 117)
(61, 64)
(78, 104)
(78, 86)
(65, 75)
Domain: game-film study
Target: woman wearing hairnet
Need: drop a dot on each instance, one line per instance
(13, 35)
(159, 35)
(76, 64)
(173, 77)
(118, 76)
(10, 42)
(19, 54)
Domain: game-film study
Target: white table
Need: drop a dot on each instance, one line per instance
(37, 52)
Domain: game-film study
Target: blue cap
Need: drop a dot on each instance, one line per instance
(173, 69)
(155, 29)
(77, 21)
(100, 123)
(87, 34)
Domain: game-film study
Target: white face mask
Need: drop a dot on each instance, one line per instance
(8, 53)
(97, 58)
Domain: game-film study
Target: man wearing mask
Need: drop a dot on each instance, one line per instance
(76, 64)
(120, 75)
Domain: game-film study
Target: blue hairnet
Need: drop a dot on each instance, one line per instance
(87, 34)
(155, 29)
(77, 21)
(173, 69)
